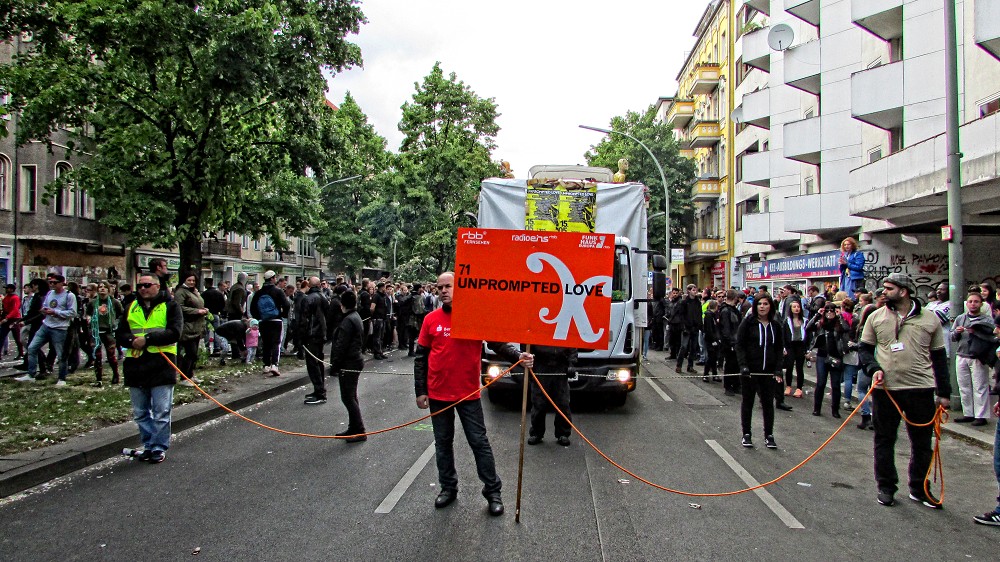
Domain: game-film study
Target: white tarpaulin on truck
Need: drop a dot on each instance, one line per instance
(620, 208)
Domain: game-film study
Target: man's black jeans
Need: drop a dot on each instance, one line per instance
(919, 407)
(471, 414)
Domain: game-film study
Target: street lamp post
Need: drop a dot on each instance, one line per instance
(663, 179)
(341, 180)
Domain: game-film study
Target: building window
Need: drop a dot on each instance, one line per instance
(307, 247)
(65, 203)
(4, 182)
(875, 155)
(810, 185)
(29, 189)
(85, 205)
(246, 242)
(256, 243)
(989, 108)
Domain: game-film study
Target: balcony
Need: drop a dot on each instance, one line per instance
(766, 228)
(802, 67)
(819, 213)
(877, 96)
(679, 113)
(280, 257)
(686, 152)
(220, 248)
(760, 5)
(704, 134)
(756, 52)
(707, 247)
(803, 140)
(805, 10)
(757, 108)
(759, 168)
(706, 188)
(908, 187)
(987, 32)
(705, 79)
(883, 18)
(746, 191)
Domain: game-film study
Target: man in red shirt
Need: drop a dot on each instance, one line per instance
(446, 370)
(11, 320)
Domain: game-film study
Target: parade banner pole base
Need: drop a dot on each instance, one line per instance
(524, 429)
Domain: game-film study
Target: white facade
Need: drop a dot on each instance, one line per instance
(854, 112)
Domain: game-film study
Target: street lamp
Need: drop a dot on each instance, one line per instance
(341, 180)
(663, 179)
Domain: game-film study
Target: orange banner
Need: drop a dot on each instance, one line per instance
(546, 288)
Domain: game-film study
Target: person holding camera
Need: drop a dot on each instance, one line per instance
(828, 349)
(759, 351)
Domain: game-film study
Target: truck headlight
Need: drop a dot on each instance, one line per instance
(620, 375)
(493, 371)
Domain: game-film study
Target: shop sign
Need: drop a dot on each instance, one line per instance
(822, 264)
(248, 268)
(718, 269)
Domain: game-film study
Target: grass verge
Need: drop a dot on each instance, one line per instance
(34, 415)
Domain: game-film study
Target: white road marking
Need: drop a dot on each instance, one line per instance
(787, 518)
(397, 492)
(659, 390)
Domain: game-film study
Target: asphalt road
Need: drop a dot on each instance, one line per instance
(234, 491)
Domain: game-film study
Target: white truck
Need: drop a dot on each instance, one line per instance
(620, 209)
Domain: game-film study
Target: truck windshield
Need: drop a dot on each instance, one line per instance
(621, 282)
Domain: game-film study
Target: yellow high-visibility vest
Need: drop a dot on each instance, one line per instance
(140, 325)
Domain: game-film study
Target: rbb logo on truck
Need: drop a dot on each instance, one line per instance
(473, 237)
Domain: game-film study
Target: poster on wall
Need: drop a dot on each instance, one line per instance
(822, 264)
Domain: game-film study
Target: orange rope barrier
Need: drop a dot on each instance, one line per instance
(938, 419)
(314, 436)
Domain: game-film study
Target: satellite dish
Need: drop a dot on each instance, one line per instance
(737, 115)
(780, 37)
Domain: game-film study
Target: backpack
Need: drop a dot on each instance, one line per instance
(428, 303)
(267, 307)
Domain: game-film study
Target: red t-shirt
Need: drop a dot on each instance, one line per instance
(12, 307)
(453, 364)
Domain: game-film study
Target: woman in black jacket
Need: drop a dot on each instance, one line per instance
(829, 346)
(711, 329)
(794, 331)
(759, 351)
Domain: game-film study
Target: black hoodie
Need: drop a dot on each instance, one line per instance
(760, 347)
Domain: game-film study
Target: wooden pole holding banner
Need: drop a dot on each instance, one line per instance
(524, 428)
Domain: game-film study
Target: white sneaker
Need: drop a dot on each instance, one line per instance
(267, 370)
(274, 371)
(25, 378)
(186, 382)
(60, 383)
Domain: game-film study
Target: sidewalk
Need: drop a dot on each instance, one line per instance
(24, 470)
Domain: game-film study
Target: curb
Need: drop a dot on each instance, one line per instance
(25, 470)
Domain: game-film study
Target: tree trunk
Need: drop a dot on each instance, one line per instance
(190, 253)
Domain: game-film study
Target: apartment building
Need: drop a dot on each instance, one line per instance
(840, 112)
(699, 115)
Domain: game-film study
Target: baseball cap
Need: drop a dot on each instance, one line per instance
(269, 274)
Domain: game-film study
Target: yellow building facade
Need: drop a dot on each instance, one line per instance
(699, 115)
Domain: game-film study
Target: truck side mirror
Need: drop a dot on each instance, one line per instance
(659, 262)
(659, 284)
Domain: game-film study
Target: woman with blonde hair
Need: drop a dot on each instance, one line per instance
(852, 266)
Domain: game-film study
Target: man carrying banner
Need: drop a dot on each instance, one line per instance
(447, 370)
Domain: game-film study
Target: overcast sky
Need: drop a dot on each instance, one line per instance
(551, 65)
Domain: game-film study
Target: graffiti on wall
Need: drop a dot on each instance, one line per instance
(927, 269)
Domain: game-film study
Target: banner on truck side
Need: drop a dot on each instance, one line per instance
(563, 206)
(533, 287)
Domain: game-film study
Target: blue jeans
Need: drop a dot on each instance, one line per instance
(471, 414)
(645, 342)
(850, 371)
(864, 383)
(56, 339)
(822, 372)
(151, 410)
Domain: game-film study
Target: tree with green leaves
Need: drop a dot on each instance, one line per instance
(357, 211)
(192, 117)
(679, 171)
(449, 135)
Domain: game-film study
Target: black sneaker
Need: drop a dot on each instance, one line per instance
(564, 441)
(927, 500)
(156, 457)
(991, 518)
(534, 439)
(769, 442)
(886, 499)
(747, 441)
(314, 400)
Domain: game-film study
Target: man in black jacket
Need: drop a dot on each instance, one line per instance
(380, 319)
(404, 308)
(729, 322)
(675, 322)
(152, 325)
(311, 314)
(690, 311)
(553, 366)
(215, 302)
(270, 327)
(346, 363)
(365, 312)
